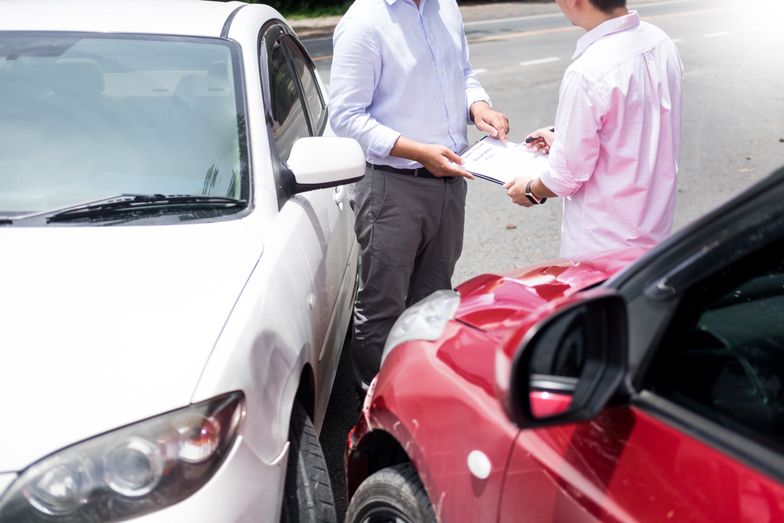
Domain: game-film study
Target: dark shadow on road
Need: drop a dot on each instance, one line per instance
(342, 413)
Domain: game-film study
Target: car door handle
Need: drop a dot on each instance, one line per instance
(338, 197)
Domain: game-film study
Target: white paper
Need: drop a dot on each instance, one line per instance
(500, 162)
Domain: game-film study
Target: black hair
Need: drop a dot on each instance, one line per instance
(607, 6)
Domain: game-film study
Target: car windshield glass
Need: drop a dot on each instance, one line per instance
(86, 116)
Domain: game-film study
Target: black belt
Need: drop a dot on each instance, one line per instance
(419, 172)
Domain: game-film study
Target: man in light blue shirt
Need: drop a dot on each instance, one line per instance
(401, 84)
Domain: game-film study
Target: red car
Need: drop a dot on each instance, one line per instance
(601, 390)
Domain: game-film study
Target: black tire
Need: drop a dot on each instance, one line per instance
(308, 493)
(394, 494)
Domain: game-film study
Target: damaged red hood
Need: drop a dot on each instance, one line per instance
(496, 302)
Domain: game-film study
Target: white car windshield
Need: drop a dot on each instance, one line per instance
(86, 116)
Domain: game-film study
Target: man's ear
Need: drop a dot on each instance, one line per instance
(571, 5)
(579, 9)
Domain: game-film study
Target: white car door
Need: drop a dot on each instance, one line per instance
(321, 220)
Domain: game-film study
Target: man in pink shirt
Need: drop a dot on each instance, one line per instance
(614, 152)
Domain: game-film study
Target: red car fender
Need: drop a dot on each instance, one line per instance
(437, 401)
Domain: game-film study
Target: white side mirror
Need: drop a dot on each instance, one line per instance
(326, 161)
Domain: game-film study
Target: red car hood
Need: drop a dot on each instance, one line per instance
(495, 303)
(505, 306)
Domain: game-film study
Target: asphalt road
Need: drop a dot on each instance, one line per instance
(733, 129)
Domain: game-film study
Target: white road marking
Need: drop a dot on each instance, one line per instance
(522, 34)
(634, 6)
(480, 71)
(513, 19)
(716, 35)
(540, 61)
(558, 14)
(677, 40)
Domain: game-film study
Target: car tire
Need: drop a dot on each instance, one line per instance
(391, 494)
(308, 492)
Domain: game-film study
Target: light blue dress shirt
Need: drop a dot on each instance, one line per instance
(398, 69)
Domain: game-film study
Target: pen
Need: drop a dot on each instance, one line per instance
(531, 138)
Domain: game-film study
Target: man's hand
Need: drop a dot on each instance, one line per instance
(441, 161)
(516, 191)
(540, 140)
(489, 121)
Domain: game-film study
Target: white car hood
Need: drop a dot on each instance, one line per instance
(104, 326)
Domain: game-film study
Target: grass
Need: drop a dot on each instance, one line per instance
(298, 9)
(316, 12)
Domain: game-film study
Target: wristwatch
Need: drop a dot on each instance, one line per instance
(529, 193)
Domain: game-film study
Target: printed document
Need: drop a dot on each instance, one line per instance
(499, 162)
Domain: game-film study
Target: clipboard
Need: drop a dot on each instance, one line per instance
(499, 162)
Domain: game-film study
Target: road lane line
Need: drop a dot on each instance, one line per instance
(513, 19)
(657, 4)
(480, 71)
(522, 34)
(547, 60)
(716, 35)
(694, 12)
(677, 40)
(558, 14)
(509, 36)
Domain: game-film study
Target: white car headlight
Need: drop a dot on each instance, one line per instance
(138, 469)
(425, 320)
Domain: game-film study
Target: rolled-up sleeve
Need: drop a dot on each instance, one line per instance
(575, 151)
(356, 67)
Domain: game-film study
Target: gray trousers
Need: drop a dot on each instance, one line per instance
(410, 234)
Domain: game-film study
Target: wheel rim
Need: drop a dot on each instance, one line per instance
(385, 514)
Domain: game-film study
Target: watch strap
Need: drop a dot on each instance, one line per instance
(531, 196)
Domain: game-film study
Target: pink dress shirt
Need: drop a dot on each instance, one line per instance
(617, 139)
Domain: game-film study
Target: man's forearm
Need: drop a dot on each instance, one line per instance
(407, 148)
(540, 190)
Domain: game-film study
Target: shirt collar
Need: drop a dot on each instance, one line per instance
(613, 25)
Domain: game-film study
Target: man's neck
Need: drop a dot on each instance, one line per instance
(594, 18)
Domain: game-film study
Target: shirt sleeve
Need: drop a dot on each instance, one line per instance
(474, 90)
(356, 66)
(575, 151)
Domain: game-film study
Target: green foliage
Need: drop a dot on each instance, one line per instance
(306, 8)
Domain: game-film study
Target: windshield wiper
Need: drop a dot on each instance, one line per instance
(146, 203)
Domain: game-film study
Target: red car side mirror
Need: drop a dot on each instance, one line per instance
(570, 364)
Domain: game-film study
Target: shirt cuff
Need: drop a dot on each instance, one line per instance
(382, 141)
(475, 94)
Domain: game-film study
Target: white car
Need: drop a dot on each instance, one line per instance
(177, 263)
